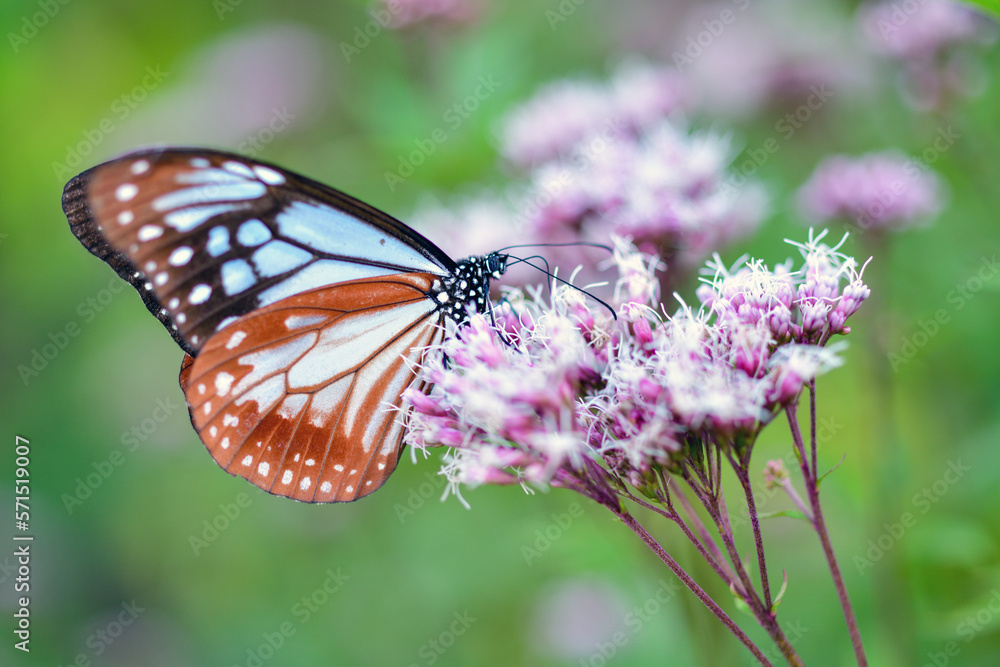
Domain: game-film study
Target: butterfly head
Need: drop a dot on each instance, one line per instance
(495, 264)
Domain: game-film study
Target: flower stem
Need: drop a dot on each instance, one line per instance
(743, 475)
(720, 566)
(706, 538)
(766, 617)
(648, 539)
(819, 524)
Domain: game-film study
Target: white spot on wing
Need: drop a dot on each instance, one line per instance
(150, 232)
(218, 241)
(247, 460)
(326, 487)
(207, 194)
(235, 339)
(187, 219)
(238, 168)
(180, 256)
(292, 406)
(125, 217)
(286, 478)
(223, 383)
(252, 233)
(126, 191)
(200, 293)
(268, 175)
(278, 257)
(140, 167)
(202, 176)
(226, 321)
(237, 276)
(293, 322)
(263, 468)
(305, 484)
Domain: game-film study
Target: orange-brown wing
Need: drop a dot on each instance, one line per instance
(302, 397)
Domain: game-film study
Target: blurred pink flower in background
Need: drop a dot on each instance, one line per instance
(664, 189)
(926, 38)
(919, 31)
(877, 191)
(239, 92)
(407, 13)
(742, 56)
(564, 113)
(575, 616)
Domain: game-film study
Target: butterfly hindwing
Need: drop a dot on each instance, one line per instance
(301, 397)
(206, 237)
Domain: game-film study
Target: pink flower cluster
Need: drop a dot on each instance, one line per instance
(874, 191)
(563, 394)
(567, 112)
(665, 190)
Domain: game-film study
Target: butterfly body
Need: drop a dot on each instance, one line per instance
(303, 311)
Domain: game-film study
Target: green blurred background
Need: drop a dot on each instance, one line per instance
(415, 581)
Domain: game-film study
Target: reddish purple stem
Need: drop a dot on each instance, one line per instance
(811, 480)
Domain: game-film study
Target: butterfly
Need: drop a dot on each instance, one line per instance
(302, 311)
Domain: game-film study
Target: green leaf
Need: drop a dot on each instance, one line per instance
(781, 593)
(741, 604)
(823, 476)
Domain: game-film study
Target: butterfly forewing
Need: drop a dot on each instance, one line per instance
(207, 237)
(301, 397)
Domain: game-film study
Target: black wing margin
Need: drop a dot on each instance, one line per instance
(76, 205)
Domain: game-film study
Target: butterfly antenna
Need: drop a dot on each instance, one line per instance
(552, 276)
(547, 271)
